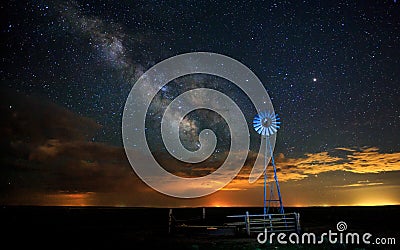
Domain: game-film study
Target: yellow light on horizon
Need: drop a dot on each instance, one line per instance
(219, 204)
(375, 203)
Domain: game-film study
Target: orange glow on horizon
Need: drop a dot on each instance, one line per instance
(71, 199)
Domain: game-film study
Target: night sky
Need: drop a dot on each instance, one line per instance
(331, 68)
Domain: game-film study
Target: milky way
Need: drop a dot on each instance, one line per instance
(86, 56)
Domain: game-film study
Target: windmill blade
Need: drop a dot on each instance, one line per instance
(263, 131)
(256, 126)
(270, 130)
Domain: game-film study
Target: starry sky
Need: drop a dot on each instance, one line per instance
(331, 69)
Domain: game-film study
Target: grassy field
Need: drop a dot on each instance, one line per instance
(147, 228)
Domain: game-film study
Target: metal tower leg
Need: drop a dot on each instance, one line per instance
(265, 177)
(281, 209)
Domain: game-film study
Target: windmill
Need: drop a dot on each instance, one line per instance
(267, 124)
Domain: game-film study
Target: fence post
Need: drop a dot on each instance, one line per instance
(270, 223)
(169, 220)
(247, 223)
(298, 228)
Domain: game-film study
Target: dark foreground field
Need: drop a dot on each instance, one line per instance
(147, 228)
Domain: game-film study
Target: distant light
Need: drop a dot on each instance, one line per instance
(314, 79)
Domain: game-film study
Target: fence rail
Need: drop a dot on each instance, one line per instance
(257, 223)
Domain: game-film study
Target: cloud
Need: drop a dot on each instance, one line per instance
(359, 184)
(367, 160)
(370, 160)
(364, 160)
(45, 146)
(346, 149)
(82, 166)
(33, 120)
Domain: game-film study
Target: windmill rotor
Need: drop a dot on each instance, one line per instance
(266, 123)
